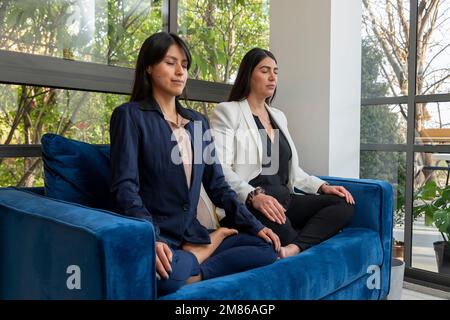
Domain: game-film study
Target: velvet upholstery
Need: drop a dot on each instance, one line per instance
(76, 171)
(314, 274)
(40, 237)
(373, 196)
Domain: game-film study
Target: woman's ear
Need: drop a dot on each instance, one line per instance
(149, 69)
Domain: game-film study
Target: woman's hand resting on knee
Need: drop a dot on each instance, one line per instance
(338, 191)
(271, 237)
(163, 260)
(270, 207)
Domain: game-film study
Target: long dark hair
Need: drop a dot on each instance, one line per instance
(153, 50)
(241, 87)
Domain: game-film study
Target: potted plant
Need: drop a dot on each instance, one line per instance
(434, 203)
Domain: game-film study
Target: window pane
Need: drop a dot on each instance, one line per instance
(390, 167)
(433, 47)
(433, 123)
(102, 31)
(219, 33)
(383, 124)
(385, 33)
(21, 172)
(27, 112)
(431, 209)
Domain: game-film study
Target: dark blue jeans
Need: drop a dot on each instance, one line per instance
(236, 253)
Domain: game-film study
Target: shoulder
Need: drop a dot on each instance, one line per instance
(230, 107)
(125, 111)
(226, 113)
(126, 108)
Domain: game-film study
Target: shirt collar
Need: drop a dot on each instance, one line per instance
(150, 104)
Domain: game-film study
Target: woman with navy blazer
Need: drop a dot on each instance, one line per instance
(158, 167)
(260, 162)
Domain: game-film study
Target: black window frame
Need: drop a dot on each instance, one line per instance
(415, 275)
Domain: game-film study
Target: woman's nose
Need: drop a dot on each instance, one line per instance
(179, 69)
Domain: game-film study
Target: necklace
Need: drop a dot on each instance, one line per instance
(177, 118)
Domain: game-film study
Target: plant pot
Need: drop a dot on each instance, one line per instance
(442, 251)
(397, 272)
(398, 250)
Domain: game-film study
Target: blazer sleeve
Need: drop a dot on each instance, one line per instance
(124, 154)
(221, 194)
(224, 122)
(299, 178)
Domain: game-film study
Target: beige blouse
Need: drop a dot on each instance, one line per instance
(184, 145)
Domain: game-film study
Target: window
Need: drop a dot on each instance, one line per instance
(385, 47)
(433, 47)
(430, 210)
(219, 33)
(409, 120)
(27, 112)
(21, 172)
(384, 124)
(101, 31)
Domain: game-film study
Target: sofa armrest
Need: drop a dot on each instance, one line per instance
(53, 249)
(374, 208)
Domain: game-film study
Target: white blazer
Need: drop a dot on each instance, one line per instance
(239, 148)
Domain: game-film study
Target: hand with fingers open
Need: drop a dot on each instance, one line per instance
(338, 191)
(270, 207)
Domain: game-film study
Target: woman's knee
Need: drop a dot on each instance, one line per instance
(349, 212)
(266, 253)
(345, 213)
(346, 210)
(184, 265)
(285, 231)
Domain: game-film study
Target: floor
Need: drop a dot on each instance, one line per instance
(413, 291)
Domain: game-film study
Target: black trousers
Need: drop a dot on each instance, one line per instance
(310, 219)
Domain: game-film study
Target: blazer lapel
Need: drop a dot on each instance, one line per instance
(280, 125)
(248, 116)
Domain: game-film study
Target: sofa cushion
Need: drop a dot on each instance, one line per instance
(313, 274)
(76, 171)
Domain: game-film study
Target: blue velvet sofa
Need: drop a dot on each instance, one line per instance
(62, 242)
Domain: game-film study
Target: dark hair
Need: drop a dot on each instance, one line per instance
(241, 87)
(153, 50)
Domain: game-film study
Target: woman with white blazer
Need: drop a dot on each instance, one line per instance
(260, 162)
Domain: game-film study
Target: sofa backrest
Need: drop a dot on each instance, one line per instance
(76, 171)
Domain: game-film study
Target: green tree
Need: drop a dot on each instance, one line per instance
(380, 125)
(112, 33)
(219, 33)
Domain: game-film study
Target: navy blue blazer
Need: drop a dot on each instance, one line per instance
(147, 184)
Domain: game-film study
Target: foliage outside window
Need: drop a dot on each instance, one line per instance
(220, 32)
(101, 31)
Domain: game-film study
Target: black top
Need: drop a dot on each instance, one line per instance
(274, 179)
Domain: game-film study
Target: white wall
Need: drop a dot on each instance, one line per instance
(318, 47)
